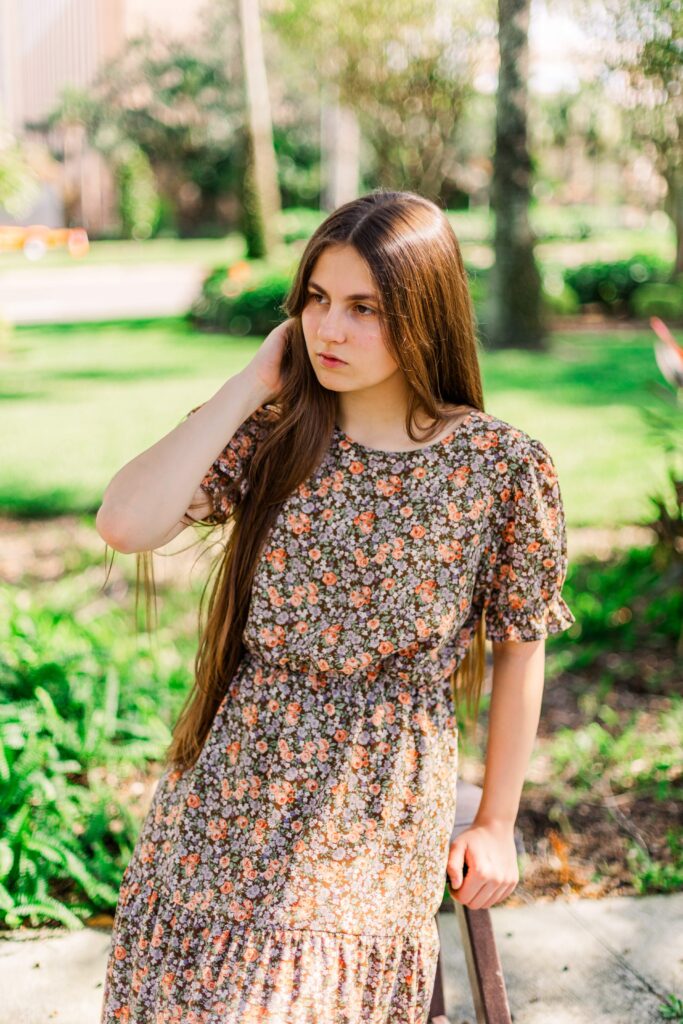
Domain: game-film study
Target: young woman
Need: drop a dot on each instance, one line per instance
(382, 525)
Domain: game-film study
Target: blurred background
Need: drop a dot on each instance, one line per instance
(161, 167)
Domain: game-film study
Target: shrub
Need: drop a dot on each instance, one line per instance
(227, 304)
(658, 299)
(557, 296)
(67, 723)
(612, 284)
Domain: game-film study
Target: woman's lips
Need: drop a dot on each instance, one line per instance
(330, 360)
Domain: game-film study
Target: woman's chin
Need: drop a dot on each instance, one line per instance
(328, 380)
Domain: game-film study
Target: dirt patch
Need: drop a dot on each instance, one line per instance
(583, 849)
(593, 321)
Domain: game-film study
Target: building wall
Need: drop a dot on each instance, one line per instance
(176, 18)
(49, 44)
(46, 45)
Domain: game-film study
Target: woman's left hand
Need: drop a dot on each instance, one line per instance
(491, 856)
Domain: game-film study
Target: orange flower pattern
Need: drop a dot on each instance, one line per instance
(293, 875)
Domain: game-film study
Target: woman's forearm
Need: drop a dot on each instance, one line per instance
(151, 493)
(514, 712)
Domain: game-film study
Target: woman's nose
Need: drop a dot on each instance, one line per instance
(331, 327)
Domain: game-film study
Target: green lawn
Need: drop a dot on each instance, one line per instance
(207, 251)
(81, 400)
(567, 236)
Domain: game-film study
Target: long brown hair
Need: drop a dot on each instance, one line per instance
(414, 258)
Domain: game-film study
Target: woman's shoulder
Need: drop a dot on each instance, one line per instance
(509, 443)
(524, 473)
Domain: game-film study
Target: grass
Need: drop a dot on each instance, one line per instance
(81, 400)
(207, 251)
(567, 236)
(606, 755)
(672, 1009)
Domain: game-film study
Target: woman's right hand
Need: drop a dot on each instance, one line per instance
(265, 368)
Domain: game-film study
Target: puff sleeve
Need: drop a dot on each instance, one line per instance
(225, 480)
(529, 560)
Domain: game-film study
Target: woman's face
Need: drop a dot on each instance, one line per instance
(341, 318)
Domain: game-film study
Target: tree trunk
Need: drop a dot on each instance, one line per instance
(261, 190)
(514, 314)
(340, 156)
(674, 207)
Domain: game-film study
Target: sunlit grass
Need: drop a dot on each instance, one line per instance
(81, 400)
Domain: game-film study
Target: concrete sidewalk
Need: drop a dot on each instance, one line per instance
(98, 292)
(610, 961)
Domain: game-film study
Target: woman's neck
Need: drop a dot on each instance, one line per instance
(375, 417)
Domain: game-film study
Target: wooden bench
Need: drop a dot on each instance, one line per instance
(481, 954)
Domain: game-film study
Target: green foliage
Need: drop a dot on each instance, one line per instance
(626, 602)
(672, 1009)
(648, 37)
(626, 757)
(658, 299)
(66, 837)
(139, 204)
(613, 284)
(478, 281)
(297, 223)
(406, 75)
(298, 164)
(607, 758)
(19, 186)
(177, 102)
(650, 875)
(252, 309)
(562, 302)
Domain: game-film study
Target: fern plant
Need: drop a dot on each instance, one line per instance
(65, 836)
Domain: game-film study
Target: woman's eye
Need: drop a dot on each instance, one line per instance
(368, 310)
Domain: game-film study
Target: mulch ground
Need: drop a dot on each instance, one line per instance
(583, 850)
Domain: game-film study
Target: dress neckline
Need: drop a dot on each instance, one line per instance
(455, 433)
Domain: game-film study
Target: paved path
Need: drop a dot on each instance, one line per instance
(98, 292)
(610, 961)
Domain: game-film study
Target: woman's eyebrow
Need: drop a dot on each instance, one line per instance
(312, 284)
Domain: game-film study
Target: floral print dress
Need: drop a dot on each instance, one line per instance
(293, 875)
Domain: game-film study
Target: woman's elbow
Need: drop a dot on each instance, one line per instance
(110, 529)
